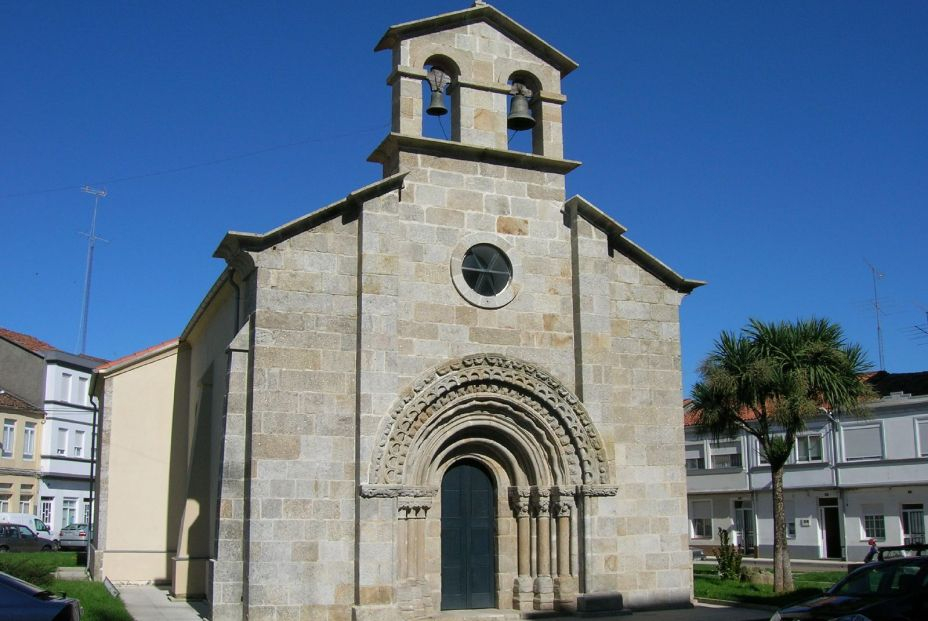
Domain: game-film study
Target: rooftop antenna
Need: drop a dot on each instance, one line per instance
(91, 242)
(876, 308)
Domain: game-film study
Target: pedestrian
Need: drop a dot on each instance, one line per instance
(872, 551)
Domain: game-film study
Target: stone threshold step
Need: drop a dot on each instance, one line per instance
(488, 614)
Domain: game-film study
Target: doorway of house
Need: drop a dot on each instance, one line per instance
(913, 524)
(468, 520)
(744, 524)
(829, 521)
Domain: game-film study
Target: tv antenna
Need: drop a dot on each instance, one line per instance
(876, 308)
(91, 242)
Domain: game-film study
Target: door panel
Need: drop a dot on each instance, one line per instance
(467, 533)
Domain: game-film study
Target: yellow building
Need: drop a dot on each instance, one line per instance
(21, 443)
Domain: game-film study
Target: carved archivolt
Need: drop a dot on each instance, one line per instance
(518, 394)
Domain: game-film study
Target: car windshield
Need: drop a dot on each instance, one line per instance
(883, 580)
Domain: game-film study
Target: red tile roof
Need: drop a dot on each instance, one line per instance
(136, 355)
(9, 400)
(25, 341)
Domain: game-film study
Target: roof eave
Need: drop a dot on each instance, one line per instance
(235, 241)
(530, 40)
(616, 234)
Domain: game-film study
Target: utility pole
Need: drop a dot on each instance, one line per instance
(91, 242)
(876, 307)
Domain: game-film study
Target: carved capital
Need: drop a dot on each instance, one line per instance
(562, 508)
(541, 501)
(520, 500)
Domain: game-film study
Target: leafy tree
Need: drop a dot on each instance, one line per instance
(769, 380)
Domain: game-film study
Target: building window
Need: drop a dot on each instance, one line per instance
(87, 509)
(863, 442)
(29, 440)
(874, 522)
(64, 389)
(62, 441)
(921, 429)
(789, 508)
(725, 454)
(701, 519)
(45, 510)
(68, 511)
(4, 503)
(25, 504)
(9, 431)
(809, 448)
(82, 396)
(695, 456)
(78, 443)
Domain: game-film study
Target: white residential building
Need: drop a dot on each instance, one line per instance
(847, 480)
(64, 494)
(55, 382)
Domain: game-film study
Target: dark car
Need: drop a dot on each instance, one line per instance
(73, 536)
(19, 538)
(895, 590)
(21, 601)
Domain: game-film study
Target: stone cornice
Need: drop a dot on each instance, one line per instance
(446, 148)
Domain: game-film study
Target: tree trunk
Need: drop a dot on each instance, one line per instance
(782, 572)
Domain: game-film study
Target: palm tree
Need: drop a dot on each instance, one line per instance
(768, 380)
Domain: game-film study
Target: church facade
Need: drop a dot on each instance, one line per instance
(456, 388)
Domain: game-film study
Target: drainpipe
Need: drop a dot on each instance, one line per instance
(93, 462)
(836, 477)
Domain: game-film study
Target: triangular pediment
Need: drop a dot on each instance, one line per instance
(485, 13)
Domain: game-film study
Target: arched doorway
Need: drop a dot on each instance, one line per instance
(538, 458)
(468, 520)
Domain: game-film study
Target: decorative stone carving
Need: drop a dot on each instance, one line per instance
(412, 507)
(528, 391)
(598, 490)
(395, 491)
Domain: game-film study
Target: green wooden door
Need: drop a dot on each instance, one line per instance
(468, 562)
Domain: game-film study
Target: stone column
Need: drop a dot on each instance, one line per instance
(544, 586)
(522, 588)
(565, 583)
(412, 594)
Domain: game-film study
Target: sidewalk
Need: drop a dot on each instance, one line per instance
(149, 603)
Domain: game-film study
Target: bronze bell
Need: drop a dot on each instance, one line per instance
(520, 117)
(437, 105)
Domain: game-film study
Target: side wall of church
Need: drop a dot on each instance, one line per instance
(300, 536)
(632, 390)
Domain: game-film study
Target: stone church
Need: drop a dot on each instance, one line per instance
(454, 389)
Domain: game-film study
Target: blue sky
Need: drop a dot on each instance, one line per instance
(772, 149)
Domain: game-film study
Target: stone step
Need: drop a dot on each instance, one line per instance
(71, 573)
(488, 614)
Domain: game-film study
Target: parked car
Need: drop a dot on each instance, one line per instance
(19, 538)
(894, 590)
(34, 524)
(22, 601)
(73, 536)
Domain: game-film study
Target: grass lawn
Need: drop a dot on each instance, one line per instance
(38, 567)
(98, 604)
(708, 585)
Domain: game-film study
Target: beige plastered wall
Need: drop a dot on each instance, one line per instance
(135, 542)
